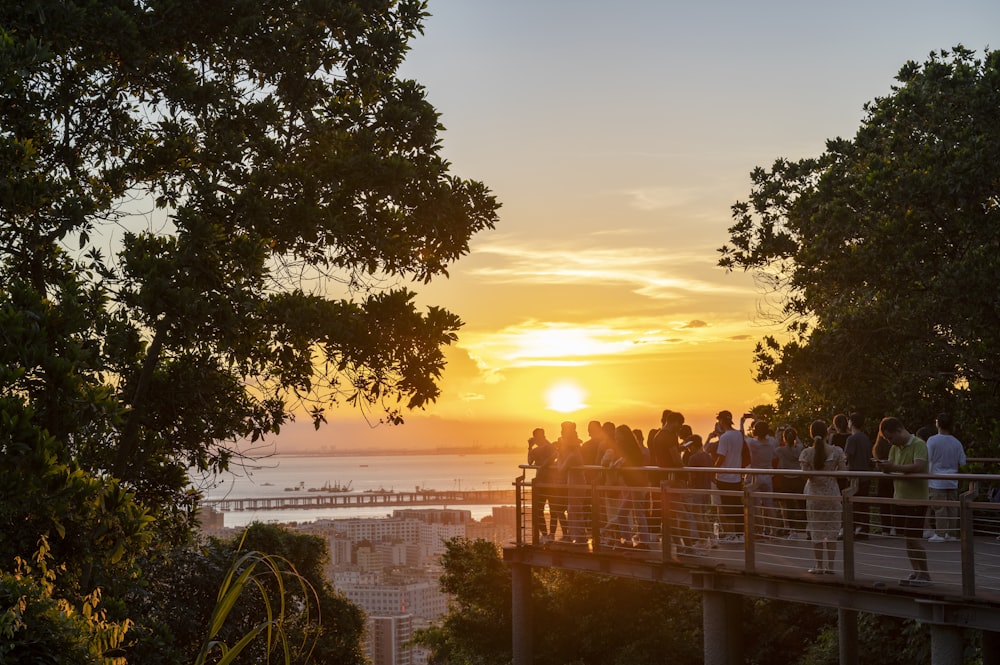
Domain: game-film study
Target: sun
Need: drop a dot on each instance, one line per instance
(565, 397)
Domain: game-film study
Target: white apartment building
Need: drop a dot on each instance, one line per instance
(422, 599)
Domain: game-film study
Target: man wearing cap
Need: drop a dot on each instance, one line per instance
(729, 455)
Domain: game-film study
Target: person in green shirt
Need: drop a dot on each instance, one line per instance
(908, 456)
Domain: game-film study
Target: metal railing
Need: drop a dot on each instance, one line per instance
(654, 514)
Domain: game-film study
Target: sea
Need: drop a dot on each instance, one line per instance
(276, 476)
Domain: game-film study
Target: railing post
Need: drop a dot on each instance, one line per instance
(666, 537)
(749, 526)
(518, 507)
(596, 512)
(966, 527)
(847, 495)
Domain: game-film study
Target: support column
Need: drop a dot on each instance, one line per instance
(946, 645)
(723, 628)
(847, 636)
(521, 613)
(991, 646)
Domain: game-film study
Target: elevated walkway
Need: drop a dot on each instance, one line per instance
(662, 534)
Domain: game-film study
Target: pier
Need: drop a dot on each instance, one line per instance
(317, 500)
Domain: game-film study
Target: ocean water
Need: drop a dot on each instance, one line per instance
(402, 473)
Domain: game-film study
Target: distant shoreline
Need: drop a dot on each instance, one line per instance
(369, 452)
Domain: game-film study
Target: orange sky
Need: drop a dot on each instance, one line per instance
(617, 142)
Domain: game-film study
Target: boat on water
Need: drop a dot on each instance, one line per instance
(333, 487)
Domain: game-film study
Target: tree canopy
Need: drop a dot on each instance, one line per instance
(207, 219)
(879, 257)
(209, 216)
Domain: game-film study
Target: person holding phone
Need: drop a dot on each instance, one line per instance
(908, 455)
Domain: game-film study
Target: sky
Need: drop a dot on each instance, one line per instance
(617, 136)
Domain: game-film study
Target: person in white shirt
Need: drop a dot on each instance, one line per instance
(729, 455)
(946, 455)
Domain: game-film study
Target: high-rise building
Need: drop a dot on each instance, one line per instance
(387, 639)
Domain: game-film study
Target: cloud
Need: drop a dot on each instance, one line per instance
(534, 343)
(647, 271)
(649, 199)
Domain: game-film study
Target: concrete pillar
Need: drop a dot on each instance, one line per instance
(521, 613)
(991, 646)
(723, 627)
(847, 636)
(946, 645)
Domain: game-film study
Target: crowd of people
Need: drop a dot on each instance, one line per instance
(631, 463)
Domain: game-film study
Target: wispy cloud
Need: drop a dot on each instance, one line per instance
(548, 343)
(663, 198)
(655, 273)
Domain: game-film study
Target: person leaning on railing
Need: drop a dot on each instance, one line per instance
(908, 456)
(729, 460)
(792, 509)
(945, 454)
(858, 450)
(823, 508)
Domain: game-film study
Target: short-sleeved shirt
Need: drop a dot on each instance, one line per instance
(945, 454)
(762, 453)
(665, 449)
(788, 456)
(701, 481)
(859, 452)
(909, 488)
(731, 449)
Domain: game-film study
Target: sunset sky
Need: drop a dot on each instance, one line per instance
(617, 136)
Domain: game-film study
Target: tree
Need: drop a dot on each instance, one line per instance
(477, 628)
(878, 255)
(177, 603)
(578, 617)
(208, 214)
(206, 219)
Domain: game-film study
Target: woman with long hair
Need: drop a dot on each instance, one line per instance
(634, 502)
(823, 513)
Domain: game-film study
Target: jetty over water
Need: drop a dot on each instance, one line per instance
(364, 499)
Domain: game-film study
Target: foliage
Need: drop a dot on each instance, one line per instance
(593, 619)
(37, 628)
(776, 631)
(477, 628)
(239, 587)
(243, 575)
(52, 512)
(578, 618)
(878, 255)
(208, 214)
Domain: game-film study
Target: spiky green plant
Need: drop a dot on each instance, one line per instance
(267, 574)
